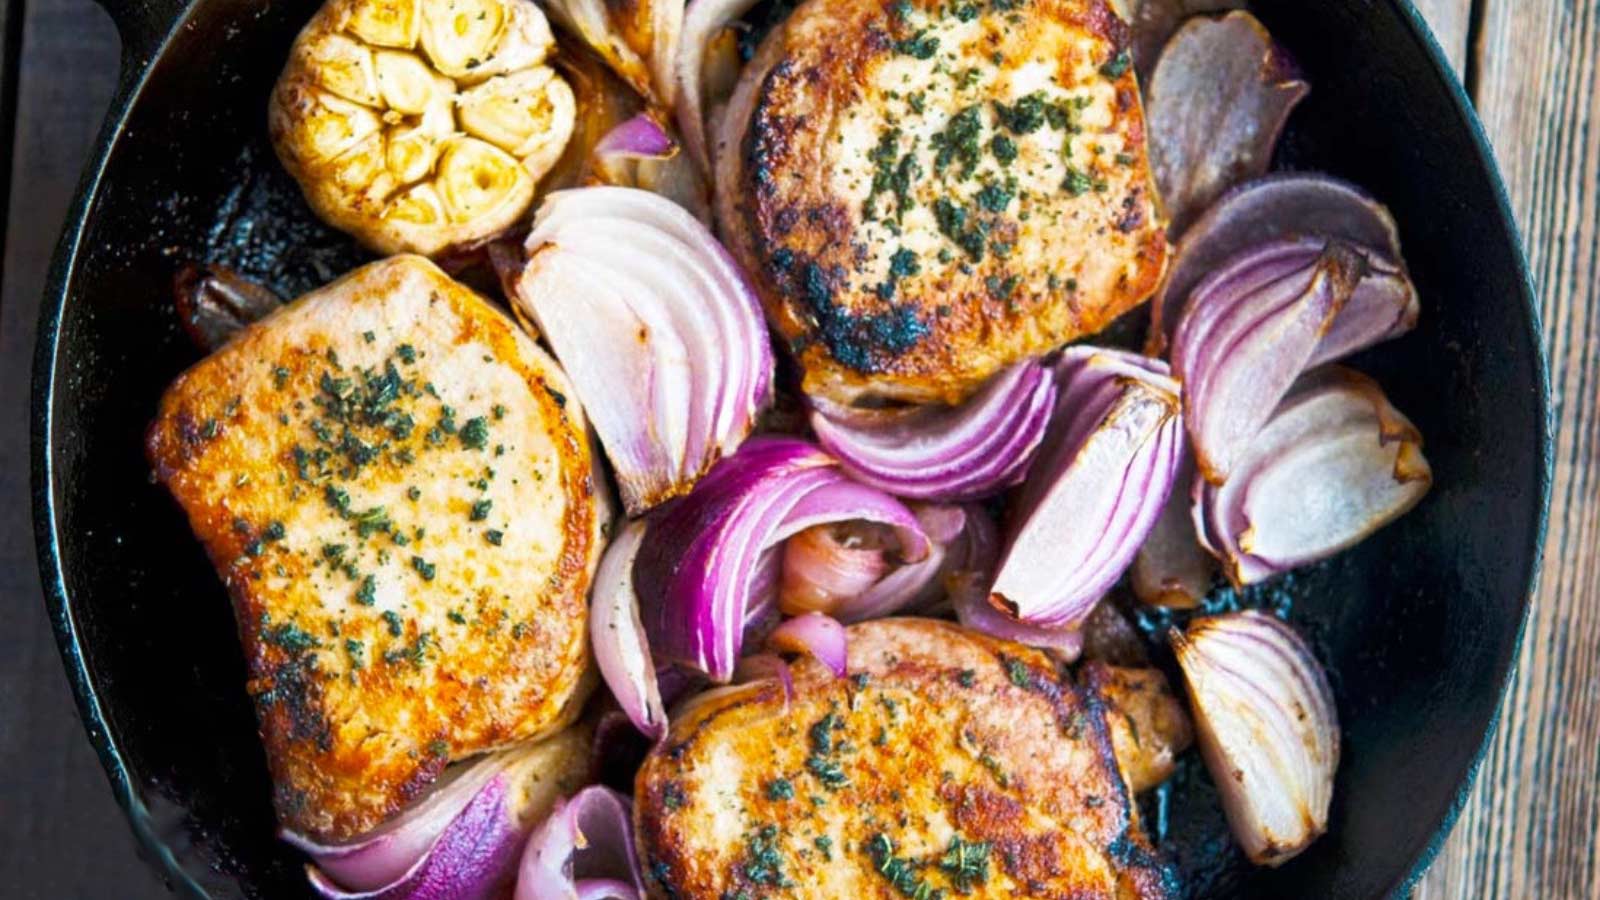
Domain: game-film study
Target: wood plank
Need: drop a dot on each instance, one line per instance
(1450, 21)
(1529, 826)
(61, 834)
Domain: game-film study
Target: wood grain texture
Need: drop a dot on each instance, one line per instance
(62, 836)
(1529, 827)
(1450, 21)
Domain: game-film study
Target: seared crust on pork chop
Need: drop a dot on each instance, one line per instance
(928, 190)
(947, 761)
(399, 492)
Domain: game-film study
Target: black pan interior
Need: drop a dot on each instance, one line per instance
(1419, 624)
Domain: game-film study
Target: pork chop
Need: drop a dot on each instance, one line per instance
(946, 763)
(400, 495)
(926, 191)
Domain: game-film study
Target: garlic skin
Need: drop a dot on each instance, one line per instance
(420, 126)
(1265, 721)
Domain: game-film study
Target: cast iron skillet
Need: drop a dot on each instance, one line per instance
(1420, 624)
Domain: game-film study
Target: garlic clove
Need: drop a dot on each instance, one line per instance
(461, 35)
(476, 178)
(1265, 721)
(408, 85)
(330, 125)
(386, 23)
(344, 67)
(418, 206)
(411, 154)
(357, 168)
(529, 114)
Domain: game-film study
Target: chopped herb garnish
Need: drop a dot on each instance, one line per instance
(495, 536)
(1017, 670)
(1076, 183)
(901, 873)
(480, 510)
(966, 862)
(919, 46)
(780, 789)
(959, 141)
(763, 863)
(1025, 116)
(475, 434)
(424, 568)
(1117, 65)
(996, 197)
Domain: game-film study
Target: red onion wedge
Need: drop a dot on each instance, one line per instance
(1154, 22)
(847, 570)
(461, 841)
(701, 555)
(1095, 491)
(214, 303)
(658, 329)
(1335, 463)
(703, 22)
(639, 41)
(1204, 138)
(1267, 729)
(816, 635)
(949, 454)
(641, 153)
(1249, 330)
(1287, 207)
(969, 567)
(583, 851)
(971, 601)
(638, 138)
(1171, 568)
(618, 639)
(828, 565)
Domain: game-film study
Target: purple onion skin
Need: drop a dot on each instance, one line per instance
(616, 634)
(946, 454)
(1203, 140)
(819, 635)
(1280, 206)
(1235, 372)
(585, 849)
(678, 562)
(1267, 726)
(473, 859)
(1326, 408)
(1126, 406)
(703, 555)
(640, 136)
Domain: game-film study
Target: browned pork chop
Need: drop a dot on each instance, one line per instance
(948, 761)
(926, 191)
(399, 493)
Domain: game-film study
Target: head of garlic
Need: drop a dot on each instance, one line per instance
(421, 125)
(1265, 722)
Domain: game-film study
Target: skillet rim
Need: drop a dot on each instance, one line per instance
(145, 41)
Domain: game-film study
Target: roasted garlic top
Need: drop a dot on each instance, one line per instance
(421, 125)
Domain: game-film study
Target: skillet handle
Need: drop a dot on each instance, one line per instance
(142, 25)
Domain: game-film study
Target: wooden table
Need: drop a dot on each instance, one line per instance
(1529, 828)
